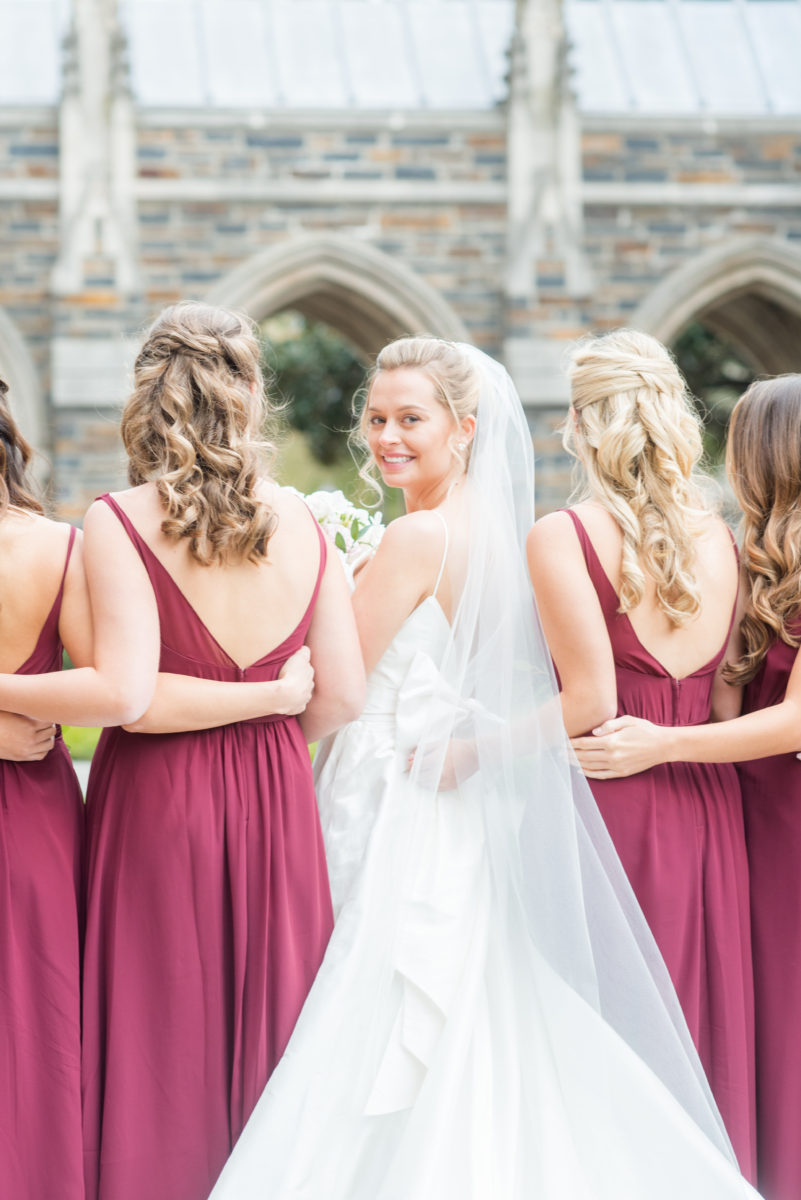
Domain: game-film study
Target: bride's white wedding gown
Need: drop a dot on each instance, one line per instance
(439, 1056)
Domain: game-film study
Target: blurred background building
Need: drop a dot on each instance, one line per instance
(512, 173)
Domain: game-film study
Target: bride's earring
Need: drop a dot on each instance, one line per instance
(461, 445)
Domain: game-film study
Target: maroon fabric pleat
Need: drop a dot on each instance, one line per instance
(208, 915)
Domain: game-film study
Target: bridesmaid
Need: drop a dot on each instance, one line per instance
(208, 901)
(43, 604)
(764, 468)
(636, 588)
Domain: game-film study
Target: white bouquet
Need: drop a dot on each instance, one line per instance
(356, 532)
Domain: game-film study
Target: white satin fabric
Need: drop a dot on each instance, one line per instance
(439, 1055)
(443, 905)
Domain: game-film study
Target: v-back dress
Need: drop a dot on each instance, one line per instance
(208, 914)
(41, 848)
(678, 829)
(772, 807)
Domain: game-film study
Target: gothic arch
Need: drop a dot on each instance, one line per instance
(25, 392)
(367, 295)
(748, 290)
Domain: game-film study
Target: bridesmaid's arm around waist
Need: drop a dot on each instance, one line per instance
(628, 745)
(183, 703)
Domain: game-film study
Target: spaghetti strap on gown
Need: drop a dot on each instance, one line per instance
(772, 807)
(208, 915)
(41, 847)
(678, 829)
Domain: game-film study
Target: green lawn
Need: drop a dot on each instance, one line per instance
(81, 741)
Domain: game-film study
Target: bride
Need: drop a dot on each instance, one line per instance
(492, 1020)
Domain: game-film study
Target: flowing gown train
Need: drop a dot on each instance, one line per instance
(439, 1056)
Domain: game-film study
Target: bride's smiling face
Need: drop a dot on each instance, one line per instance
(411, 434)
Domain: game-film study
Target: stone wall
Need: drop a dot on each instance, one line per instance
(690, 153)
(415, 194)
(29, 228)
(213, 191)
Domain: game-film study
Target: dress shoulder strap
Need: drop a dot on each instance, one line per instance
(581, 533)
(67, 557)
(736, 550)
(121, 516)
(610, 601)
(144, 551)
(734, 545)
(321, 564)
(444, 552)
(55, 607)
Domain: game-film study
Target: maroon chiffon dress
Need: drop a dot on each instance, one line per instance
(208, 915)
(41, 847)
(678, 829)
(772, 806)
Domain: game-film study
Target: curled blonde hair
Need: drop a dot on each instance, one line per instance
(192, 424)
(638, 439)
(457, 386)
(763, 462)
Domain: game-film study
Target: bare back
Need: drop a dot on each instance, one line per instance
(681, 650)
(33, 550)
(248, 608)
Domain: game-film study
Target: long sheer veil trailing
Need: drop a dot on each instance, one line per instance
(549, 846)
(556, 1063)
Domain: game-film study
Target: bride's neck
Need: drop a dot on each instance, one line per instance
(434, 496)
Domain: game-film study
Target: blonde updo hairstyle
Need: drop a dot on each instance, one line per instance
(763, 463)
(638, 439)
(192, 425)
(457, 385)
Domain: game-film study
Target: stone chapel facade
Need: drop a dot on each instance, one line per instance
(517, 223)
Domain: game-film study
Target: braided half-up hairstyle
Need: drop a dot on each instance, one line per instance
(16, 487)
(193, 425)
(763, 463)
(637, 435)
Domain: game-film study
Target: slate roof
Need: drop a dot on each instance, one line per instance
(659, 57)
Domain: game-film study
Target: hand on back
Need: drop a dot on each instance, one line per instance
(23, 739)
(298, 676)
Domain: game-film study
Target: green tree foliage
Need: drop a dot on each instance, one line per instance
(316, 373)
(717, 375)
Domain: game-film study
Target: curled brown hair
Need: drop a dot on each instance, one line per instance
(15, 455)
(763, 463)
(638, 439)
(192, 425)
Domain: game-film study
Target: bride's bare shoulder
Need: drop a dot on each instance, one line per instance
(412, 545)
(416, 531)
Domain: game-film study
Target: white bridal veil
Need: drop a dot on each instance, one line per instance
(492, 1020)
